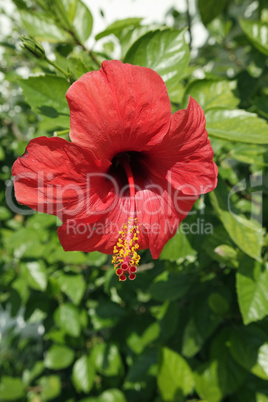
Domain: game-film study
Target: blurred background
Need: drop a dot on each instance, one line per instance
(193, 325)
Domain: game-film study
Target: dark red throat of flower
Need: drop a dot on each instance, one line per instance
(126, 258)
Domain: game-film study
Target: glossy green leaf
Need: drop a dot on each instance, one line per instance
(138, 342)
(237, 125)
(251, 285)
(117, 26)
(129, 35)
(67, 318)
(247, 235)
(73, 286)
(249, 347)
(206, 320)
(212, 94)
(207, 382)
(83, 374)
(4, 213)
(210, 9)
(69, 257)
(79, 17)
(192, 340)
(107, 360)
(96, 259)
(45, 102)
(59, 357)
(165, 51)
(50, 387)
(112, 395)
(11, 389)
(261, 103)
(174, 378)
(35, 274)
(218, 304)
(105, 314)
(30, 375)
(250, 155)
(178, 249)
(170, 286)
(230, 374)
(257, 33)
(42, 27)
(142, 365)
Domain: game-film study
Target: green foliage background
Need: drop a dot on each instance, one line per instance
(193, 326)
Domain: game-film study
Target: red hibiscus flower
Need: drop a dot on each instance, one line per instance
(132, 171)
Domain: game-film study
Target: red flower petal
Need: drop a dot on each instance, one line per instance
(52, 177)
(185, 155)
(119, 108)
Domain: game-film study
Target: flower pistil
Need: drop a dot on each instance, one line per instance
(125, 256)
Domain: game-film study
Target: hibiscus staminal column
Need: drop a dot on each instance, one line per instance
(126, 258)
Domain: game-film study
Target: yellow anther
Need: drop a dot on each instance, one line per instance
(127, 244)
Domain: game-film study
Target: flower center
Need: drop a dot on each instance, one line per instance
(125, 256)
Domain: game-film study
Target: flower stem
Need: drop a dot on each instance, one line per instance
(89, 52)
(59, 133)
(65, 73)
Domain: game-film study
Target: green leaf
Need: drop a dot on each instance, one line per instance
(261, 102)
(30, 375)
(192, 340)
(214, 247)
(67, 318)
(50, 387)
(210, 9)
(249, 347)
(129, 35)
(45, 102)
(105, 314)
(142, 365)
(254, 390)
(79, 17)
(250, 154)
(112, 395)
(117, 26)
(170, 286)
(178, 249)
(218, 303)
(247, 235)
(252, 285)
(42, 27)
(59, 357)
(257, 33)
(237, 125)
(83, 374)
(36, 370)
(205, 319)
(230, 374)
(35, 274)
(73, 286)
(11, 388)
(67, 257)
(107, 360)
(165, 51)
(207, 382)
(212, 94)
(5, 214)
(138, 341)
(174, 378)
(96, 259)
